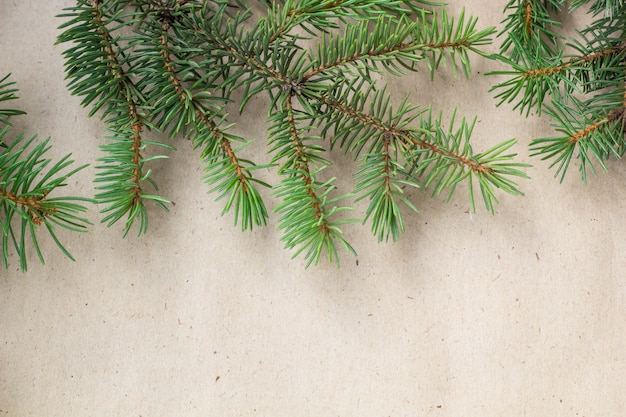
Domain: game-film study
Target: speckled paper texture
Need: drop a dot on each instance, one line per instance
(517, 314)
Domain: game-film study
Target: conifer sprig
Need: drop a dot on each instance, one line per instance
(591, 130)
(98, 69)
(398, 44)
(26, 182)
(307, 207)
(531, 22)
(442, 158)
(179, 65)
(578, 82)
(536, 77)
(187, 110)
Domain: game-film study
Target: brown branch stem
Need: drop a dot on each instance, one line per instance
(612, 117)
(584, 58)
(387, 158)
(119, 73)
(404, 136)
(32, 204)
(303, 164)
(399, 47)
(528, 17)
(217, 133)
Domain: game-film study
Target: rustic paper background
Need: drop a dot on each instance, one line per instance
(519, 314)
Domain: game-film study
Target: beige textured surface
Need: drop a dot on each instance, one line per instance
(521, 314)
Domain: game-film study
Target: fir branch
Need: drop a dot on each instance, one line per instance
(96, 68)
(229, 174)
(306, 219)
(529, 27)
(300, 159)
(187, 109)
(28, 183)
(122, 170)
(444, 158)
(378, 179)
(536, 76)
(398, 44)
(593, 128)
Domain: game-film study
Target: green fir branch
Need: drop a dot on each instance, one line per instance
(443, 158)
(441, 148)
(28, 184)
(398, 44)
(578, 82)
(529, 27)
(97, 69)
(229, 175)
(382, 179)
(591, 130)
(537, 77)
(307, 206)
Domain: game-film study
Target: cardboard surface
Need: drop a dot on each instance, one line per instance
(519, 314)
